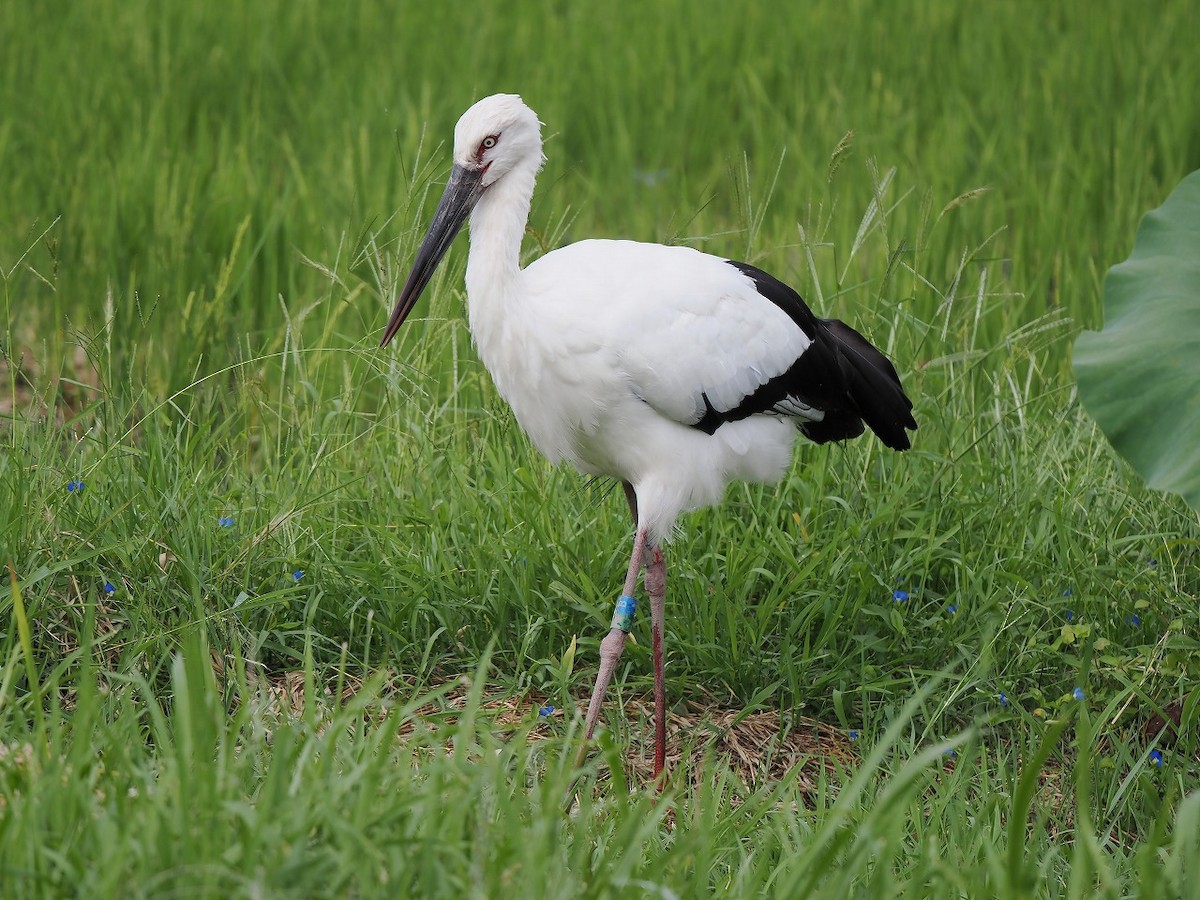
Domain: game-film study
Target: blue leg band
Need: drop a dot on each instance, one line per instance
(623, 615)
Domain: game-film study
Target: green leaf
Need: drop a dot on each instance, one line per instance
(31, 670)
(1139, 378)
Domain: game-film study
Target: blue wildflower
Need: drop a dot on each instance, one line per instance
(297, 575)
(546, 711)
(1135, 620)
(1003, 698)
(109, 588)
(951, 608)
(1078, 693)
(1156, 757)
(225, 521)
(853, 735)
(1070, 615)
(900, 596)
(74, 487)
(950, 751)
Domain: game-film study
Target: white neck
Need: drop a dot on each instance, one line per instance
(497, 226)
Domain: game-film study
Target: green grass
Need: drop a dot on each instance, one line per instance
(204, 217)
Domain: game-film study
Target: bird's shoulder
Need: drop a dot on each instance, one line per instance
(664, 285)
(607, 261)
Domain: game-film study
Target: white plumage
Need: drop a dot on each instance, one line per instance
(588, 361)
(669, 369)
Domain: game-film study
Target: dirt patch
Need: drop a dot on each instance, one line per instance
(28, 389)
(760, 747)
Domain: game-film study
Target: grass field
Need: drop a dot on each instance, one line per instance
(286, 606)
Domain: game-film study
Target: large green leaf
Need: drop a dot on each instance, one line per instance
(1140, 377)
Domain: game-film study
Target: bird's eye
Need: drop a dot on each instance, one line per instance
(488, 142)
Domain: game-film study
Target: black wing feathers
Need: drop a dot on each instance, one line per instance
(873, 387)
(840, 373)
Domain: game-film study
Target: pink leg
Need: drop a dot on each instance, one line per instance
(656, 587)
(612, 645)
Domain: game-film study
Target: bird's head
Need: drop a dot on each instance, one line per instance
(495, 136)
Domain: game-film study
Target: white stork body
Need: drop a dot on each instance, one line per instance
(671, 370)
(664, 326)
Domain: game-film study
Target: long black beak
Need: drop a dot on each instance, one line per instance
(462, 193)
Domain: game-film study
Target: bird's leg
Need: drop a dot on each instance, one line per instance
(656, 587)
(614, 642)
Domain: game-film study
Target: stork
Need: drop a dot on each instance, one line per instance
(670, 370)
